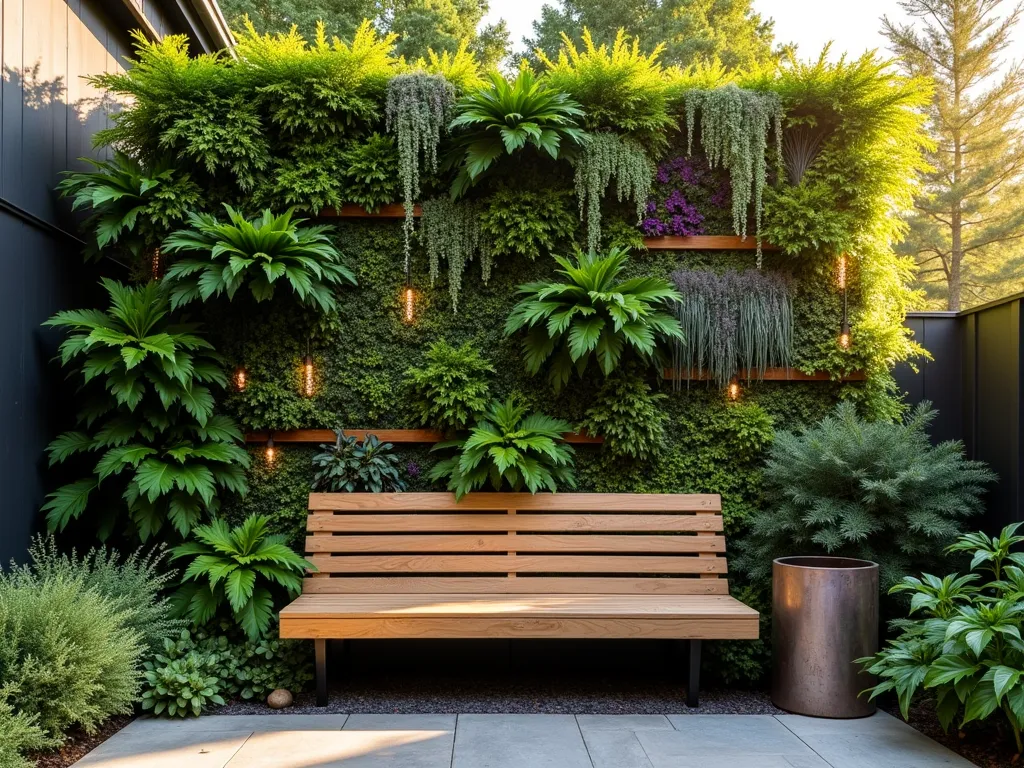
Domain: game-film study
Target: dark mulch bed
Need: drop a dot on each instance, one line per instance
(79, 743)
(584, 695)
(987, 745)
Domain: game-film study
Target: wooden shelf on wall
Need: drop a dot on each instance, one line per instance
(706, 243)
(385, 435)
(668, 243)
(389, 211)
(770, 374)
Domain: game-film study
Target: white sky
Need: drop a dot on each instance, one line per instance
(852, 26)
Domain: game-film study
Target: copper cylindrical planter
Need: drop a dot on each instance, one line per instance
(824, 615)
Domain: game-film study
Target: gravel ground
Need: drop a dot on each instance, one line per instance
(580, 696)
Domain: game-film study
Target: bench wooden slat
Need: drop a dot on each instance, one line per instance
(738, 628)
(396, 543)
(454, 523)
(548, 502)
(434, 605)
(524, 584)
(517, 563)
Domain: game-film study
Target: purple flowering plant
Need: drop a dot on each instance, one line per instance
(688, 199)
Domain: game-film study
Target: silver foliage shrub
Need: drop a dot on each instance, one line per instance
(604, 156)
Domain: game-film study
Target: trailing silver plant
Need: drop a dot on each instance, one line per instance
(734, 127)
(451, 230)
(417, 109)
(733, 320)
(603, 156)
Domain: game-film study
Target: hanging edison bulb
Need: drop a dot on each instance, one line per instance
(307, 376)
(408, 301)
(844, 335)
(154, 264)
(733, 390)
(271, 453)
(240, 378)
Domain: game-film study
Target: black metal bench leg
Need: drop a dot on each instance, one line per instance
(321, 672)
(693, 680)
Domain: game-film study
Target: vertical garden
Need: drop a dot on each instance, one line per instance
(319, 234)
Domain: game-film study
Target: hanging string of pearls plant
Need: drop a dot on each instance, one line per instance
(417, 110)
(734, 128)
(606, 155)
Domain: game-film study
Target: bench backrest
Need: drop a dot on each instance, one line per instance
(601, 543)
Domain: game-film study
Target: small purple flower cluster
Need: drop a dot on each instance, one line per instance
(675, 214)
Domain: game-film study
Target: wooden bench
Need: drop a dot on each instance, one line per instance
(514, 565)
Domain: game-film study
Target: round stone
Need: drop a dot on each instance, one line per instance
(279, 699)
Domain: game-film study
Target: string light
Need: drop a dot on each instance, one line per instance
(271, 450)
(240, 378)
(844, 327)
(734, 390)
(154, 264)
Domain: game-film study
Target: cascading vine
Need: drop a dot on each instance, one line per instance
(734, 126)
(606, 155)
(417, 110)
(733, 320)
(451, 230)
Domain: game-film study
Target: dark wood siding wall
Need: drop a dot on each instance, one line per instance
(48, 115)
(976, 383)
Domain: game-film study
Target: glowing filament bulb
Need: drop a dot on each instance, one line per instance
(155, 264)
(408, 304)
(307, 376)
(844, 336)
(734, 390)
(841, 272)
(271, 451)
(240, 379)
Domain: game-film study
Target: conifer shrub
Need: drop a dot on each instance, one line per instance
(873, 490)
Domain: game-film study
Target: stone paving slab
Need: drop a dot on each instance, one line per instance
(521, 741)
(516, 741)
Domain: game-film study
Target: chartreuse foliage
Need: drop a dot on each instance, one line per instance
(504, 118)
(509, 446)
(148, 416)
(874, 490)
(451, 389)
(256, 254)
(962, 641)
(620, 87)
(239, 566)
(593, 315)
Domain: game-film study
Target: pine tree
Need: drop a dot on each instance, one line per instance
(966, 229)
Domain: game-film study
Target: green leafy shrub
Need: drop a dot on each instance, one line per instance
(255, 253)
(149, 412)
(593, 315)
(222, 664)
(873, 490)
(619, 86)
(503, 118)
(527, 223)
(962, 640)
(181, 687)
(135, 585)
(240, 566)
(68, 655)
(507, 446)
(130, 205)
(19, 734)
(350, 465)
(451, 389)
(371, 172)
(628, 415)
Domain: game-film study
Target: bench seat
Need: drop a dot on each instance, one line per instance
(515, 565)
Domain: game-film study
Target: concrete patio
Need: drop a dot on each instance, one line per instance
(521, 741)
